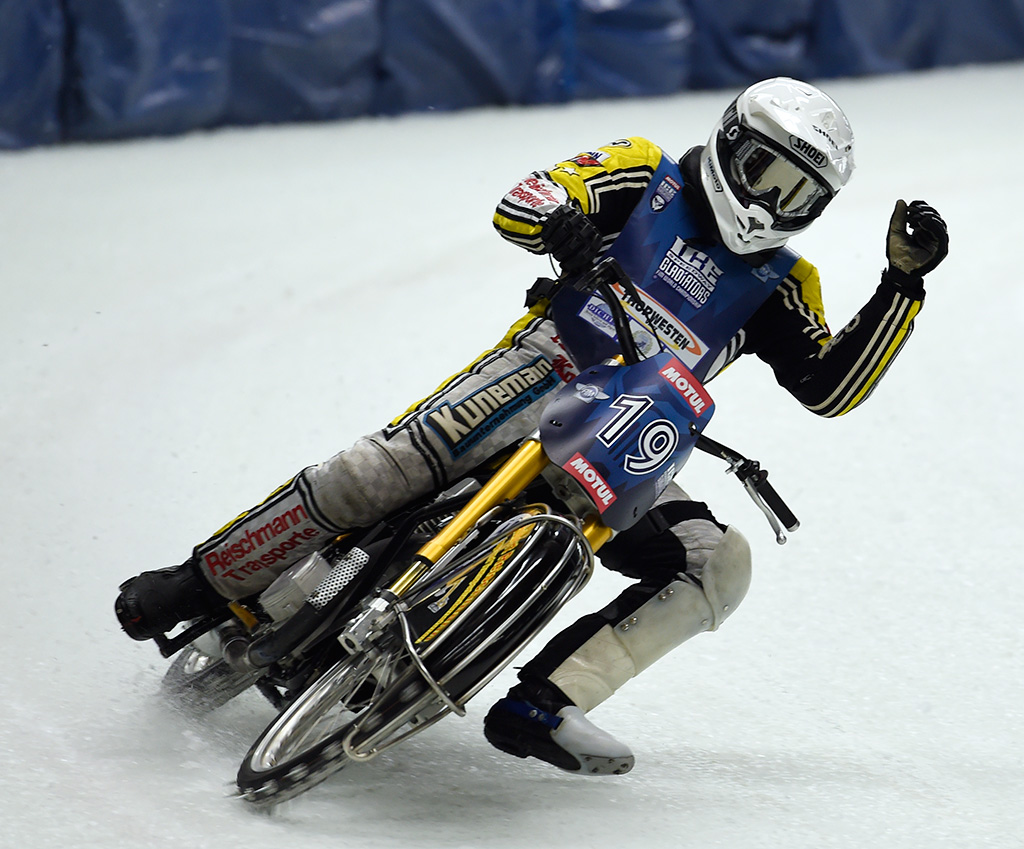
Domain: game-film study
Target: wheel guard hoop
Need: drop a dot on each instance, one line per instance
(494, 596)
(625, 431)
(470, 616)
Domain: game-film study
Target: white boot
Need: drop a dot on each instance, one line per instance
(596, 751)
(566, 739)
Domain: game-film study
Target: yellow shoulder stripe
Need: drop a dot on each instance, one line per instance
(622, 155)
(810, 288)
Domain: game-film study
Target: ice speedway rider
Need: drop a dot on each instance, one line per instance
(778, 156)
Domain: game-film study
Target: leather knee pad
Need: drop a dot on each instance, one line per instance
(681, 610)
(725, 577)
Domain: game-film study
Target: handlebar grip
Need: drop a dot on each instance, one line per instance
(775, 502)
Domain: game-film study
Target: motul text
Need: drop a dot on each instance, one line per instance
(599, 490)
(687, 386)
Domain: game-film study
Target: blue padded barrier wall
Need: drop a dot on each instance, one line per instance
(100, 69)
(31, 71)
(746, 40)
(980, 30)
(875, 36)
(137, 67)
(453, 54)
(610, 38)
(301, 60)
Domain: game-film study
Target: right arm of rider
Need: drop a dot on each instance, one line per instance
(604, 184)
(519, 215)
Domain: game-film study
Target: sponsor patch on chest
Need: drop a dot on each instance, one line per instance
(690, 272)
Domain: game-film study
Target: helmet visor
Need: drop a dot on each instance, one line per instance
(792, 194)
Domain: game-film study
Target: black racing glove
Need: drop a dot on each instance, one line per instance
(916, 244)
(571, 238)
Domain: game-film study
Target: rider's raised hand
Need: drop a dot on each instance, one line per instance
(917, 242)
(571, 238)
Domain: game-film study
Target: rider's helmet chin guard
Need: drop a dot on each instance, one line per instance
(782, 151)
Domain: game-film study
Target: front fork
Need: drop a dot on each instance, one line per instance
(515, 474)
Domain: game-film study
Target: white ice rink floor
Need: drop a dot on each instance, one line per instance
(187, 322)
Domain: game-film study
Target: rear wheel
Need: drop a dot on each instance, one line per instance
(200, 683)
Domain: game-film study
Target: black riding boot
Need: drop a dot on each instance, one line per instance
(154, 602)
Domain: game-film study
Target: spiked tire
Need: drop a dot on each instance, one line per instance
(199, 683)
(303, 746)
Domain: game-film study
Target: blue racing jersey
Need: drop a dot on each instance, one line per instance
(698, 298)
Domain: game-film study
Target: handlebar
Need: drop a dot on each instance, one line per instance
(601, 278)
(755, 482)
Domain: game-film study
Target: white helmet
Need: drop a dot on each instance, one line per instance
(781, 152)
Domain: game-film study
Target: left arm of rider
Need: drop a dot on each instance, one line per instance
(829, 375)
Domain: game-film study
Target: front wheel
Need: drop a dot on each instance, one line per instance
(303, 746)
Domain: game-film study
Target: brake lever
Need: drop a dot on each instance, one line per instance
(763, 494)
(755, 482)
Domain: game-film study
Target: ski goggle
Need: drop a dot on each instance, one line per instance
(792, 194)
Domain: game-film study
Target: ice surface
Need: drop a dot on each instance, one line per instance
(187, 322)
